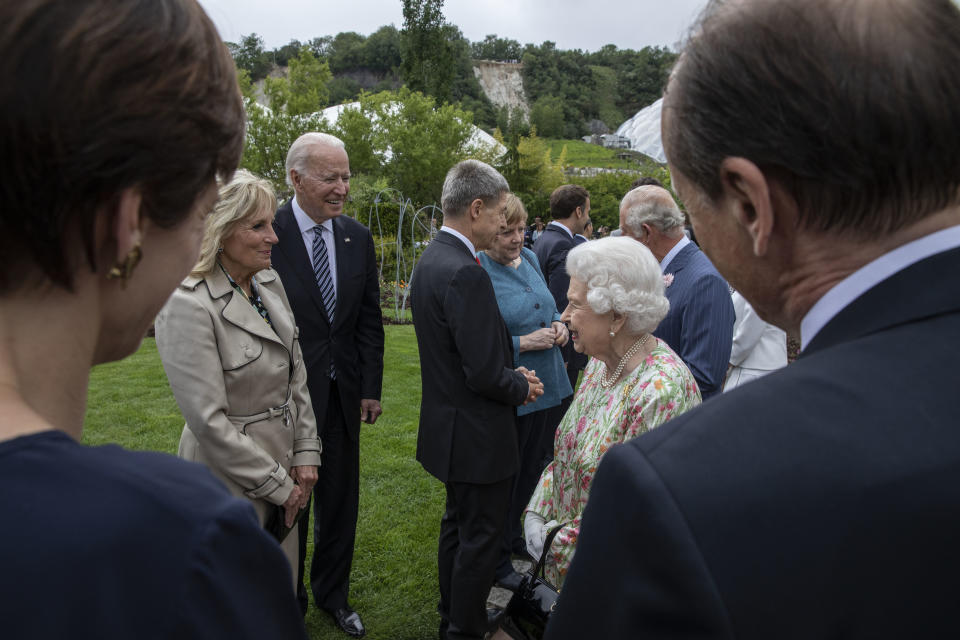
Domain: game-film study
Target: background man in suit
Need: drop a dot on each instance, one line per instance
(819, 501)
(570, 210)
(699, 325)
(467, 437)
(329, 271)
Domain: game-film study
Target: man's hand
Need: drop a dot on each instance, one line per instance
(534, 386)
(561, 333)
(370, 410)
(305, 477)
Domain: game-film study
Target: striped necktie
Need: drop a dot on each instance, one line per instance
(321, 269)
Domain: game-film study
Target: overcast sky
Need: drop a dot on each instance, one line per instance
(571, 24)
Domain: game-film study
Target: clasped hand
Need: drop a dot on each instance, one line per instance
(555, 334)
(534, 386)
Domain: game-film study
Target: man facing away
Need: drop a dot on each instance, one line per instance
(699, 325)
(467, 436)
(814, 143)
(329, 271)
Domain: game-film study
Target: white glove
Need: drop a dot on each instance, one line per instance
(534, 532)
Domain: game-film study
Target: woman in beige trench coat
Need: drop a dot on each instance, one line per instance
(229, 346)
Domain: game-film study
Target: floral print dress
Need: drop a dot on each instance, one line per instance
(659, 389)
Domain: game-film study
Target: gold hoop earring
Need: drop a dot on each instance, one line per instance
(125, 270)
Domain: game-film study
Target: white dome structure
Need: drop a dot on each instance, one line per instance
(478, 137)
(643, 130)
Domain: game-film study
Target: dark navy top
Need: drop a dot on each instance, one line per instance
(100, 542)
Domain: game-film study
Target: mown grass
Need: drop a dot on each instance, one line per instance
(584, 154)
(394, 578)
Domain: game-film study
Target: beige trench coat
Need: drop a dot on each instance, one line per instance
(241, 386)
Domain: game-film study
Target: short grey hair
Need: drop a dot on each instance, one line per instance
(299, 154)
(621, 275)
(651, 205)
(467, 181)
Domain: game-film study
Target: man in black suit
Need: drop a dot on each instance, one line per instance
(329, 270)
(467, 436)
(814, 143)
(570, 210)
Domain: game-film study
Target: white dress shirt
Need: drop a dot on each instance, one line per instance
(307, 232)
(463, 239)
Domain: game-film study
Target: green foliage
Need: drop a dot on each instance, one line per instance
(428, 60)
(495, 48)
(249, 55)
(291, 113)
(530, 169)
(424, 140)
(546, 115)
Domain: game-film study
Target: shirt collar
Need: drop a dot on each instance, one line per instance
(872, 274)
(305, 222)
(684, 241)
(462, 238)
(560, 225)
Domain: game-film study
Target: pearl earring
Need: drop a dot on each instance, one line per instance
(613, 334)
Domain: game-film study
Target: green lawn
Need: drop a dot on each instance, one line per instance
(584, 154)
(394, 570)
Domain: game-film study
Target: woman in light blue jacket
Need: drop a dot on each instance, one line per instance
(533, 320)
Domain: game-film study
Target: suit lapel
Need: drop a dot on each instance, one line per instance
(681, 259)
(281, 320)
(238, 310)
(345, 244)
(292, 246)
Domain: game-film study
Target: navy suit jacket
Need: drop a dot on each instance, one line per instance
(551, 249)
(355, 341)
(821, 501)
(468, 430)
(699, 325)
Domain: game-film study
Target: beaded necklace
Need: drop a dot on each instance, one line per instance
(632, 351)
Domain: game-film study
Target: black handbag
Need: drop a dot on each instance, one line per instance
(535, 599)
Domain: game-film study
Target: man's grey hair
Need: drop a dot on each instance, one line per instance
(621, 275)
(467, 181)
(649, 205)
(299, 154)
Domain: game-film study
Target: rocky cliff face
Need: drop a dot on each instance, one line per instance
(502, 83)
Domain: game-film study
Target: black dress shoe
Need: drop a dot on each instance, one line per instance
(349, 622)
(511, 581)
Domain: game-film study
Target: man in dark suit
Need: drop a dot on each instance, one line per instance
(570, 210)
(820, 501)
(467, 436)
(329, 270)
(699, 325)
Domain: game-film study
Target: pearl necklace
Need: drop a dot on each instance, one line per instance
(632, 351)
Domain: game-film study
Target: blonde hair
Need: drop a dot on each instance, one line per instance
(516, 212)
(241, 198)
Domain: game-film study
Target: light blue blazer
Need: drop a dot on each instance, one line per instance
(527, 305)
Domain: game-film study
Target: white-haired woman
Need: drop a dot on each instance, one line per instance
(632, 383)
(229, 346)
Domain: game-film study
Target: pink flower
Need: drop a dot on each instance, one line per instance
(667, 280)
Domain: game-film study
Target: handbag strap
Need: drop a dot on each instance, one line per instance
(539, 570)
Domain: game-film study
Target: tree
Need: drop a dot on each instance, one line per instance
(291, 112)
(428, 63)
(547, 116)
(494, 48)
(250, 56)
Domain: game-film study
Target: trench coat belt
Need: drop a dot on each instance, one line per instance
(273, 412)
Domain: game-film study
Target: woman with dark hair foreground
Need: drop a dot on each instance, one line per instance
(116, 117)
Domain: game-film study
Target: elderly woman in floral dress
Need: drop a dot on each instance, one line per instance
(633, 383)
